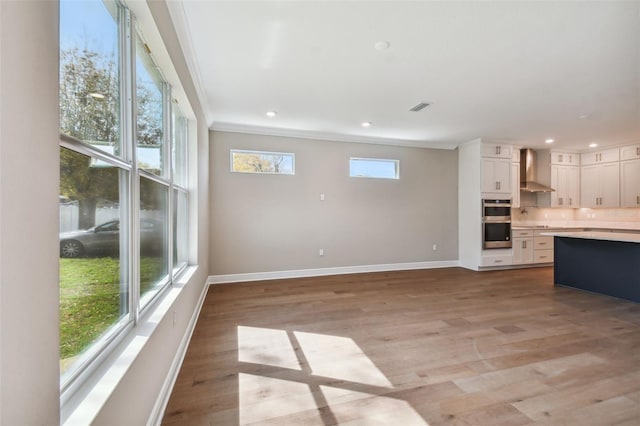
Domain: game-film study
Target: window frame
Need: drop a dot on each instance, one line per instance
(90, 359)
(273, 153)
(396, 162)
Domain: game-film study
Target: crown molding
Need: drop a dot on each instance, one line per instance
(327, 136)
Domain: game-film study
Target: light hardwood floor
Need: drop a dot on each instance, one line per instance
(442, 346)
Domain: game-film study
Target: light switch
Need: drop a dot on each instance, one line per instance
(321, 197)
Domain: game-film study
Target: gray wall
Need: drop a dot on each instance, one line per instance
(264, 223)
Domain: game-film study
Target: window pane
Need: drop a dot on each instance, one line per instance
(149, 112)
(179, 146)
(93, 280)
(262, 162)
(89, 73)
(154, 261)
(374, 168)
(180, 228)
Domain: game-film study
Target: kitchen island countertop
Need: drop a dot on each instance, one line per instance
(628, 237)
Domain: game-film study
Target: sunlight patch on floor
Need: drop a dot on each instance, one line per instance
(267, 347)
(340, 358)
(350, 407)
(263, 398)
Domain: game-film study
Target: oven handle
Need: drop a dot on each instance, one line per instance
(495, 205)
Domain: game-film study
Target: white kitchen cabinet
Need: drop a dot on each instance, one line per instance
(522, 246)
(600, 185)
(493, 150)
(542, 246)
(566, 182)
(543, 256)
(515, 155)
(565, 158)
(597, 157)
(496, 176)
(630, 152)
(630, 183)
(515, 185)
(522, 251)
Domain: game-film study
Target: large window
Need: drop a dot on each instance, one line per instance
(123, 217)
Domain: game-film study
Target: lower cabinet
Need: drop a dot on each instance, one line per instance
(531, 247)
(522, 246)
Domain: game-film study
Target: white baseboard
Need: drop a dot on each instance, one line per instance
(155, 418)
(301, 273)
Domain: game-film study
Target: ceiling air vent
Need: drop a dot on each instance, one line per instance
(419, 107)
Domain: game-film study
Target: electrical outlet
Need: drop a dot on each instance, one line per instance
(321, 197)
(321, 252)
(435, 247)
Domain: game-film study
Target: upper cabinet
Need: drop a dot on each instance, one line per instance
(600, 185)
(630, 183)
(496, 176)
(566, 182)
(603, 156)
(630, 152)
(515, 184)
(565, 158)
(493, 150)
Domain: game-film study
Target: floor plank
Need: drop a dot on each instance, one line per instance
(428, 347)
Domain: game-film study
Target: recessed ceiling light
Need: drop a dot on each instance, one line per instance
(593, 145)
(549, 141)
(271, 113)
(366, 124)
(382, 45)
(583, 116)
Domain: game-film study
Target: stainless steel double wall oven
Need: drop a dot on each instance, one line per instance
(496, 224)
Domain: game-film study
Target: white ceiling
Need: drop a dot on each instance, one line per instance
(512, 71)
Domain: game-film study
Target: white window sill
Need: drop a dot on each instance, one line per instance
(84, 406)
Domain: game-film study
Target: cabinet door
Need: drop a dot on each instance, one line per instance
(522, 251)
(610, 155)
(630, 152)
(573, 187)
(515, 185)
(610, 185)
(503, 175)
(589, 186)
(559, 183)
(589, 158)
(491, 150)
(496, 176)
(564, 158)
(630, 183)
(606, 156)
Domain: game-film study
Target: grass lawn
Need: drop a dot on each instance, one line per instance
(90, 298)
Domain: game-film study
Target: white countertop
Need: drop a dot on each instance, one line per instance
(627, 237)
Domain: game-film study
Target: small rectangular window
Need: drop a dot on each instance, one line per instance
(262, 162)
(374, 168)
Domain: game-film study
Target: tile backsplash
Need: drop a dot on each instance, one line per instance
(604, 218)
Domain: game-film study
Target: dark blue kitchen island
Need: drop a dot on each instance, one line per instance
(601, 262)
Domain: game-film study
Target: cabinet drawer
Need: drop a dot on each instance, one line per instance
(543, 256)
(542, 243)
(500, 260)
(518, 233)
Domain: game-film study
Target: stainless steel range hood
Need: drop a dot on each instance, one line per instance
(528, 167)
